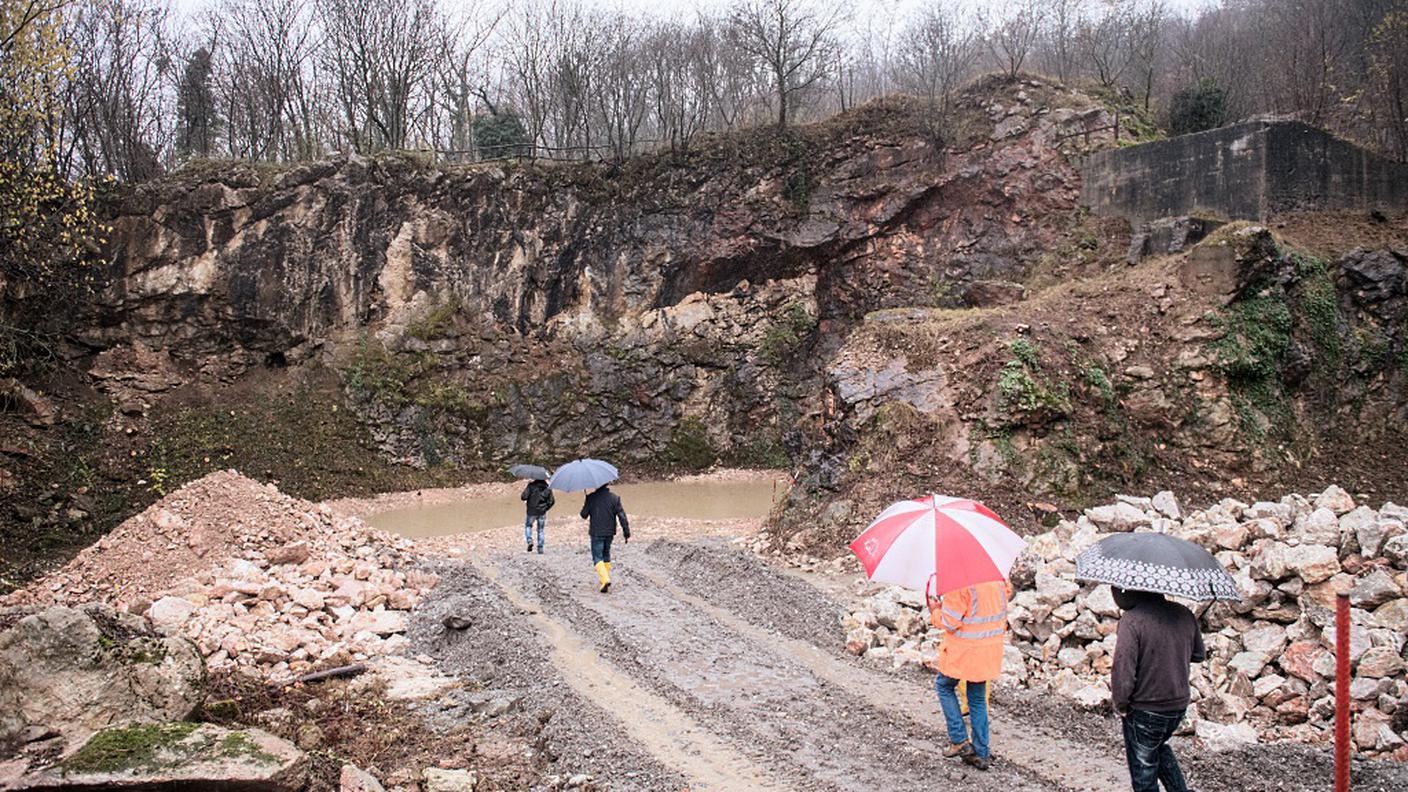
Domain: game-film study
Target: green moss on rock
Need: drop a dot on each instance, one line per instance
(127, 748)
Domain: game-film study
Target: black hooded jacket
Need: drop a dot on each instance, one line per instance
(603, 508)
(539, 497)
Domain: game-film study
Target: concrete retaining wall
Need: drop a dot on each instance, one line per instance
(1246, 171)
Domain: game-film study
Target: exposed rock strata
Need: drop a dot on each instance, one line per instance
(503, 310)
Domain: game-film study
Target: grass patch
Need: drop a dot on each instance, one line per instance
(1024, 390)
(1318, 303)
(761, 451)
(237, 745)
(434, 324)
(375, 373)
(1099, 381)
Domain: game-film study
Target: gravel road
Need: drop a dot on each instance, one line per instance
(706, 669)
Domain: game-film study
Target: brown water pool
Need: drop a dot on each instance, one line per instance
(692, 500)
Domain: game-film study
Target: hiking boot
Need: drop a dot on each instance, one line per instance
(530, 547)
(540, 549)
(956, 749)
(971, 758)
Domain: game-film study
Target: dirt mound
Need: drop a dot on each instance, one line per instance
(261, 581)
(199, 526)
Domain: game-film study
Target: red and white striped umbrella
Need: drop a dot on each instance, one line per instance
(943, 542)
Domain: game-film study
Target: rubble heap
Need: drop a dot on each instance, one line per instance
(1271, 664)
(261, 581)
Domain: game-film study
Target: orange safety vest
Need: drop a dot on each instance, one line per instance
(974, 621)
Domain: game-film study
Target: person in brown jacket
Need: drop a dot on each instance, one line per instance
(1157, 640)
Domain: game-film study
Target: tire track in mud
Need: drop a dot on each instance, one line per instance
(504, 654)
(671, 736)
(1060, 762)
(818, 731)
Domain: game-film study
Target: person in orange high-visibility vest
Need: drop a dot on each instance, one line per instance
(974, 624)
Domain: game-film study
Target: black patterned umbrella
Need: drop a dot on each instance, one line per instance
(1148, 561)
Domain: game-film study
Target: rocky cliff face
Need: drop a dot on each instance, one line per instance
(1245, 364)
(659, 309)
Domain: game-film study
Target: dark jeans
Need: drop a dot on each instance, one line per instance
(601, 548)
(1146, 748)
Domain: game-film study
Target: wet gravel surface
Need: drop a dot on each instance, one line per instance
(752, 656)
(502, 651)
(744, 584)
(809, 732)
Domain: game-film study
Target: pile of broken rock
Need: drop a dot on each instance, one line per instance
(262, 582)
(1270, 668)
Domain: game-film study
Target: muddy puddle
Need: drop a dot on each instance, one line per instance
(750, 499)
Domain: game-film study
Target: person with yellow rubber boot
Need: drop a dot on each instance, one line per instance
(603, 509)
(974, 624)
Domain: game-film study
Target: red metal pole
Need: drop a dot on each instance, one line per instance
(1342, 693)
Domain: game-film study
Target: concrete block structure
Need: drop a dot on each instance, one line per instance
(1246, 171)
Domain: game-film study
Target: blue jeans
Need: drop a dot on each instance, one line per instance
(601, 548)
(528, 529)
(1151, 760)
(947, 688)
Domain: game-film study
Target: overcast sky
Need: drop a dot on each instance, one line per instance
(860, 8)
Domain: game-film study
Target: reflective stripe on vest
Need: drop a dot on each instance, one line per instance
(971, 618)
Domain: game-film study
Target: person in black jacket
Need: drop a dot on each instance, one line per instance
(538, 496)
(603, 508)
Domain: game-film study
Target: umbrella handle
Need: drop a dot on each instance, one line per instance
(1212, 590)
(929, 599)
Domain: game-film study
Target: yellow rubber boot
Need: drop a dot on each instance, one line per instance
(963, 696)
(603, 575)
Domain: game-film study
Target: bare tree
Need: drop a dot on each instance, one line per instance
(1147, 26)
(622, 88)
(1059, 45)
(1013, 36)
(1104, 43)
(1388, 79)
(673, 53)
(792, 40)
(119, 96)
(937, 52)
(264, 48)
(462, 81)
(725, 74)
(382, 55)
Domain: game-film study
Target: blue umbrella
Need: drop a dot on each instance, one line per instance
(584, 474)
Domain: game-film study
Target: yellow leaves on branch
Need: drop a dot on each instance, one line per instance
(46, 220)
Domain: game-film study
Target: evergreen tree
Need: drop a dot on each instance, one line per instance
(198, 123)
(501, 135)
(1198, 107)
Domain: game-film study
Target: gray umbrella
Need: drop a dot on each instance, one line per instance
(583, 474)
(530, 472)
(1147, 561)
